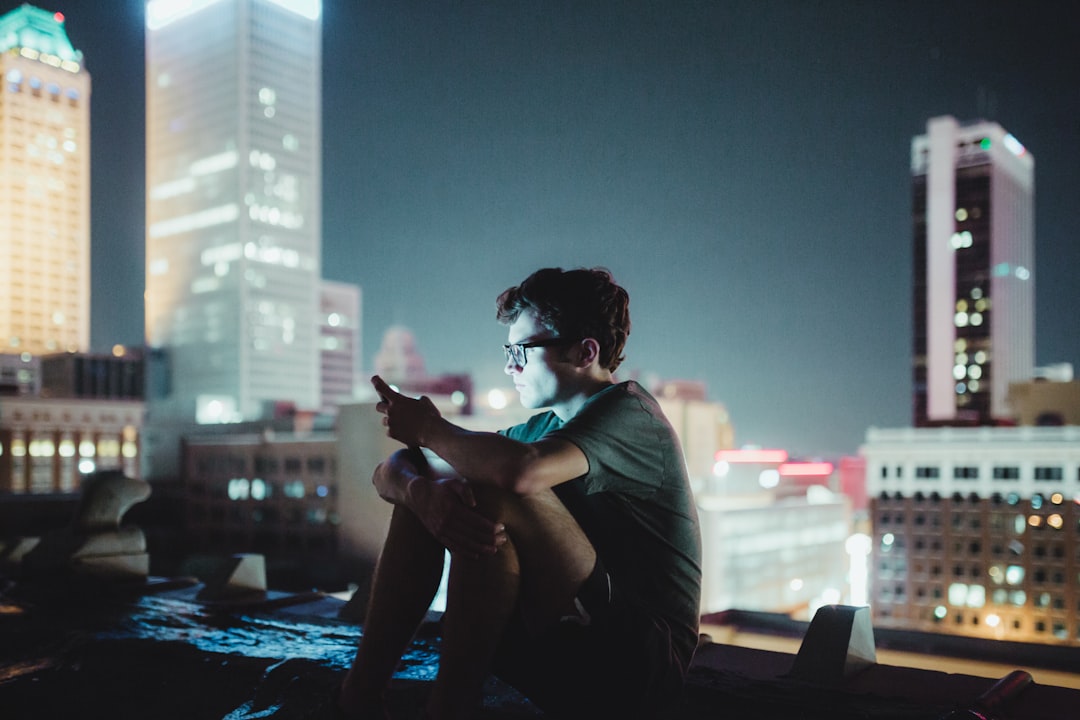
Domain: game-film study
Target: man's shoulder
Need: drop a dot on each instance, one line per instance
(534, 428)
(627, 390)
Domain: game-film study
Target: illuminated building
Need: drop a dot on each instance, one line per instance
(339, 342)
(271, 493)
(974, 244)
(233, 205)
(765, 547)
(976, 531)
(44, 186)
(83, 414)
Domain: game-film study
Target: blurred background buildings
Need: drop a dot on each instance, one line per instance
(248, 412)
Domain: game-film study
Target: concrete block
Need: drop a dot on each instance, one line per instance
(113, 567)
(13, 550)
(238, 577)
(838, 644)
(105, 497)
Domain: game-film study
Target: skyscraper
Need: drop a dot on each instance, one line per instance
(233, 207)
(974, 243)
(44, 187)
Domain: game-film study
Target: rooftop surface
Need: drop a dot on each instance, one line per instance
(152, 649)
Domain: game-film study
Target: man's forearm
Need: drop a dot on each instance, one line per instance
(483, 457)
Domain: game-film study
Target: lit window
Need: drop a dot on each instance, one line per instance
(238, 489)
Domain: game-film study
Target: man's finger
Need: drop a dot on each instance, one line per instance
(384, 390)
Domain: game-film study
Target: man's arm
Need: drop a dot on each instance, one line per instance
(482, 457)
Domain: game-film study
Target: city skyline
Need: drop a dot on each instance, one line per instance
(691, 150)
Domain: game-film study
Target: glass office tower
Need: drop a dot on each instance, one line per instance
(44, 187)
(974, 298)
(233, 204)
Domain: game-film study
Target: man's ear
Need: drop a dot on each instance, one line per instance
(588, 352)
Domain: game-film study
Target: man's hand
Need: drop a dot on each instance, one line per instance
(446, 508)
(406, 419)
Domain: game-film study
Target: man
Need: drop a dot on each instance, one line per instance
(575, 568)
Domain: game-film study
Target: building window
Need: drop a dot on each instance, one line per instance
(927, 472)
(1006, 472)
(967, 472)
(1048, 473)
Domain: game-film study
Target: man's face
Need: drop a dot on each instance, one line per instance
(541, 382)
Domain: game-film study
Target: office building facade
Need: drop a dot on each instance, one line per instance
(974, 247)
(339, 343)
(977, 531)
(44, 187)
(233, 206)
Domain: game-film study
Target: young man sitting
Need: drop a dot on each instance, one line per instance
(575, 569)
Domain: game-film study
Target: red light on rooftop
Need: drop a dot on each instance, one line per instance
(58, 17)
(751, 456)
(805, 469)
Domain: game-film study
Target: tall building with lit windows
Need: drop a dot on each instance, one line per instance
(233, 205)
(974, 297)
(976, 531)
(44, 187)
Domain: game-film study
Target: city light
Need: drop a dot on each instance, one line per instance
(496, 399)
(806, 469)
(752, 455)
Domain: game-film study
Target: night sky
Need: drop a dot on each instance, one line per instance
(741, 167)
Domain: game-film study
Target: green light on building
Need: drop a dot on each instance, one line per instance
(31, 28)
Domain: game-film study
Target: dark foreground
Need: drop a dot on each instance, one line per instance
(153, 652)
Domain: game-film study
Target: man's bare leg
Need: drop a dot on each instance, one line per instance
(481, 596)
(536, 572)
(406, 579)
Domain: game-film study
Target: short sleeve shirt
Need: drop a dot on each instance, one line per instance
(635, 503)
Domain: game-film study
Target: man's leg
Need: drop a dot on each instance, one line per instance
(537, 572)
(406, 579)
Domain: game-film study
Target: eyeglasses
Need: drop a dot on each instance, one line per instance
(516, 352)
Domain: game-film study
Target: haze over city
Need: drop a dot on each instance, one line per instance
(741, 167)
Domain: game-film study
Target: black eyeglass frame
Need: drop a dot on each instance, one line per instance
(519, 356)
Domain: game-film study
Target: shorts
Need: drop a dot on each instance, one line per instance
(615, 660)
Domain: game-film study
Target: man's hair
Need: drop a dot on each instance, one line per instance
(581, 303)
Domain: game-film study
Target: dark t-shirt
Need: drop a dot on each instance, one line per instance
(635, 503)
